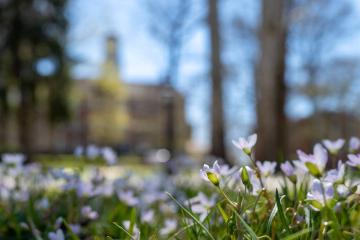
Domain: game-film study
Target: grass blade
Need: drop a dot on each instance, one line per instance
(283, 218)
(124, 230)
(297, 235)
(181, 231)
(191, 215)
(246, 226)
(272, 216)
(222, 212)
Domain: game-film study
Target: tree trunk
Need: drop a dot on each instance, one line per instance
(270, 82)
(24, 111)
(25, 123)
(217, 112)
(3, 129)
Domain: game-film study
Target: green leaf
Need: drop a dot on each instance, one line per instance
(283, 218)
(297, 235)
(191, 215)
(246, 226)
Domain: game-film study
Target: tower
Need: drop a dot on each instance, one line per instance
(109, 115)
(110, 68)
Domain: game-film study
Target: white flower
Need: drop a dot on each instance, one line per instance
(60, 173)
(170, 226)
(15, 159)
(58, 222)
(200, 204)
(92, 151)
(58, 235)
(136, 231)
(354, 144)
(148, 216)
(246, 144)
(354, 160)
(316, 162)
(336, 175)
(76, 228)
(153, 196)
(43, 203)
(266, 168)
(320, 194)
(128, 197)
(109, 155)
(79, 151)
(343, 191)
(300, 167)
(88, 213)
(334, 146)
(211, 174)
(287, 169)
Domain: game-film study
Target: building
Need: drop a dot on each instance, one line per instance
(108, 111)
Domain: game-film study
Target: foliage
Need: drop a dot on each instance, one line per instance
(243, 202)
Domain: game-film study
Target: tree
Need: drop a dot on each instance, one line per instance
(270, 81)
(32, 51)
(217, 112)
(171, 23)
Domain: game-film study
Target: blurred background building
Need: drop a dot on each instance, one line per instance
(107, 111)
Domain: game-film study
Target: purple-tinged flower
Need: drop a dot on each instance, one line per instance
(136, 231)
(266, 168)
(300, 167)
(109, 155)
(128, 197)
(169, 227)
(288, 169)
(320, 194)
(342, 191)
(200, 204)
(246, 145)
(354, 160)
(211, 174)
(58, 235)
(88, 213)
(354, 144)
(92, 151)
(14, 159)
(79, 151)
(316, 162)
(76, 228)
(43, 203)
(336, 175)
(148, 216)
(334, 146)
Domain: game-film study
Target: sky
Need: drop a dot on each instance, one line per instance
(143, 59)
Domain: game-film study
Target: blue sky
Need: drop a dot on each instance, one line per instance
(143, 59)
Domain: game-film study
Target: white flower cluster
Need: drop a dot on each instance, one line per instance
(326, 188)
